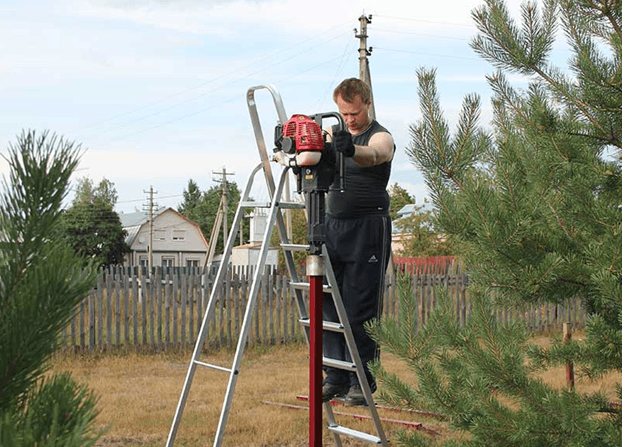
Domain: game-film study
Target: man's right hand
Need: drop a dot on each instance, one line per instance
(342, 142)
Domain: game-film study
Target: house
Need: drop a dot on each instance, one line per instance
(176, 240)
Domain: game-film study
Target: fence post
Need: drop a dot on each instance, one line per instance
(570, 373)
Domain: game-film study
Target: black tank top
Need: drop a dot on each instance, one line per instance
(365, 187)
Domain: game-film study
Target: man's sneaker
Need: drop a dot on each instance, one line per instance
(331, 390)
(355, 397)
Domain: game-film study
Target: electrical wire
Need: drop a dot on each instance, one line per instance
(335, 77)
(427, 54)
(242, 74)
(433, 22)
(434, 36)
(214, 105)
(298, 51)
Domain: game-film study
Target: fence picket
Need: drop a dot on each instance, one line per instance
(81, 323)
(192, 292)
(228, 296)
(152, 300)
(175, 291)
(99, 318)
(183, 308)
(109, 311)
(118, 314)
(135, 314)
(159, 310)
(92, 338)
(143, 296)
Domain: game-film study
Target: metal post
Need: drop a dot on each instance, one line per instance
(315, 271)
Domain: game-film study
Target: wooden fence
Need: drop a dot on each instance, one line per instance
(131, 310)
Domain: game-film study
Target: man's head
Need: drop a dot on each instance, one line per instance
(353, 99)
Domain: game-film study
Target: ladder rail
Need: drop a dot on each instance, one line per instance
(221, 273)
(352, 348)
(258, 130)
(262, 147)
(251, 305)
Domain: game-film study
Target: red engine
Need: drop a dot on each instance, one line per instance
(305, 133)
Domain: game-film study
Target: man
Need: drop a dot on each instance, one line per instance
(358, 232)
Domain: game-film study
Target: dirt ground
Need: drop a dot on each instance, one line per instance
(138, 395)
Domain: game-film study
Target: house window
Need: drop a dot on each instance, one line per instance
(193, 262)
(143, 261)
(159, 235)
(168, 261)
(178, 235)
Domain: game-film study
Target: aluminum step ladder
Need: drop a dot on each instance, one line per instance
(275, 217)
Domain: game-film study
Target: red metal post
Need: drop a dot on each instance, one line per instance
(316, 351)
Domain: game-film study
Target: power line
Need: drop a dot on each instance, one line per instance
(338, 70)
(142, 200)
(298, 51)
(231, 99)
(428, 54)
(433, 22)
(434, 36)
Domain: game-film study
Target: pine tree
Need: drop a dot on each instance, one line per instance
(399, 197)
(534, 210)
(202, 207)
(192, 198)
(421, 237)
(42, 283)
(91, 225)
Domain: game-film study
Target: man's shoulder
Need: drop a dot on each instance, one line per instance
(376, 127)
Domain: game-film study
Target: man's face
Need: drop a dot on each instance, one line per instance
(355, 114)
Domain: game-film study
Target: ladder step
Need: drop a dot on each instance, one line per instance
(306, 286)
(252, 204)
(292, 205)
(327, 325)
(295, 247)
(366, 437)
(339, 364)
(283, 205)
(210, 365)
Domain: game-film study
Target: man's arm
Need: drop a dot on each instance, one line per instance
(380, 150)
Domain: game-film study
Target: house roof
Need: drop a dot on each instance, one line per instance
(137, 218)
(407, 210)
(132, 222)
(404, 211)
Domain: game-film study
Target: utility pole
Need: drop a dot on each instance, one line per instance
(363, 53)
(150, 210)
(220, 217)
(365, 75)
(224, 200)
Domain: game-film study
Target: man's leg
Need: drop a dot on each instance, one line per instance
(364, 282)
(336, 383)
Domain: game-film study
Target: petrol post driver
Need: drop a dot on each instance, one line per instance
(316, 165)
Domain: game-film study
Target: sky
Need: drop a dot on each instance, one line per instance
(154, 91)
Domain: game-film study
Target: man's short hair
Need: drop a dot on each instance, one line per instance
(352, 87)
